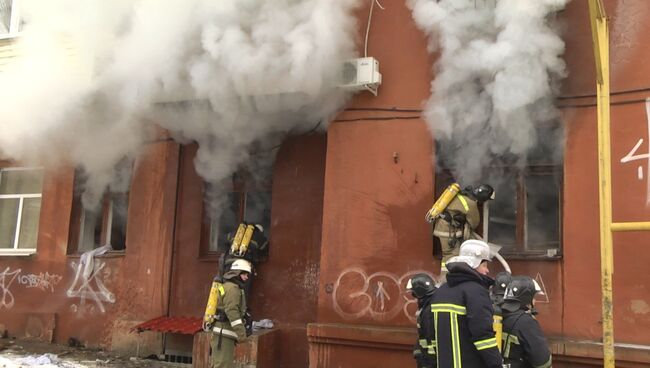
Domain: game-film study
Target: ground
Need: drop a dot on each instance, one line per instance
(13, 354)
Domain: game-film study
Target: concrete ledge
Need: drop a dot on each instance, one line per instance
(590, 353)
(399, 338)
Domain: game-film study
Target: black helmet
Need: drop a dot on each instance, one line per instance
(520, 293)
(421, 285)
(483, 193)
(501, 282)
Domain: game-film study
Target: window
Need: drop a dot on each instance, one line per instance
(103, 223)
(243, 201)
(20, 209)
(525, 217)
(10, 23)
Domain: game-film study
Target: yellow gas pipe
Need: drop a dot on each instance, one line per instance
(600, 34)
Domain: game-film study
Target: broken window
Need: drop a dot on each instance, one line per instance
(245, 200)
(102, 223)
(20, 208)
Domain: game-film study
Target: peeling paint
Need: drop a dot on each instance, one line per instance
(639, 306)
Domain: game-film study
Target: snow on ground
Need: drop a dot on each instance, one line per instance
(25, 353)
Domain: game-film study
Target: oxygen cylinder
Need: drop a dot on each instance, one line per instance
(236, 242)
(248, 235)
(447, 196)
(211, 307)
(497, 326)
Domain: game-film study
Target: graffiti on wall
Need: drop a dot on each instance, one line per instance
(7, 278)
(380, 296)
(88, 286)
(633, 155)
(43, 281)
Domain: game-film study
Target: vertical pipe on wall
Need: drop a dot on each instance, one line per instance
(600, 33)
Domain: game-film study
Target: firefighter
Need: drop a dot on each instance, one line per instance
(524, 344)
(463, 313)
(459, 221)
(422, 287)
(229, 327)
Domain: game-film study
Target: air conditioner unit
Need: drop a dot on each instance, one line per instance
(361, 74)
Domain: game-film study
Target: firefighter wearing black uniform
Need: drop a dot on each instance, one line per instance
(524, 344)
(422, 287)
(463, 313)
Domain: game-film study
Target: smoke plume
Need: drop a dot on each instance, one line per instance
(495, 80)
(93, 77)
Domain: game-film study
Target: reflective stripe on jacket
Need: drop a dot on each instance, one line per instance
(524, 344)
(463, 316)
(233, 305)
(426, 345)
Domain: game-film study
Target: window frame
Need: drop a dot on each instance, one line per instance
(14, 22)
(15, 251)
(521, 250)
(242, 184)
(77, 219)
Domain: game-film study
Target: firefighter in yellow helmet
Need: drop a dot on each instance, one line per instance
(229, 327)
(459, 221)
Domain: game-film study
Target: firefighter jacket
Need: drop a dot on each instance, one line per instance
(524, 344)
(467, 208)
(424, 351)
(463, 316)
(231, 309)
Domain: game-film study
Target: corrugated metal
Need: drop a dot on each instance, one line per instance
(181, 325)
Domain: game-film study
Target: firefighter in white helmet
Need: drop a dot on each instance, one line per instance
(229, 327)
(463, 313)
(524, 344)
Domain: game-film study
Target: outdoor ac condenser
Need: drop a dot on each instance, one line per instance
(361, 74)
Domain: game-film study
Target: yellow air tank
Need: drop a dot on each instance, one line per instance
(497, 326)
(236, 242)
(211, 307)
(248, 235)
(447, 196)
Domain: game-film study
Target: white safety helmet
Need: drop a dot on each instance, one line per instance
(473, 252)
(241, 265)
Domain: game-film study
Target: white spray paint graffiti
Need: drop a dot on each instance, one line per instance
(633, 156)
(44, 281)
(82, 288)
(541, 298)
(7, 277)
(356, 294)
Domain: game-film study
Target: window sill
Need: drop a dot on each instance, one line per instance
(110, 254)
(17, 252)
(530, 257)
(209, 257)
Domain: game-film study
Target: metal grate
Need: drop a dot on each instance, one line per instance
(180, 359)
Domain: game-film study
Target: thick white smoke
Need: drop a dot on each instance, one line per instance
(92, 74)
(495, 79)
